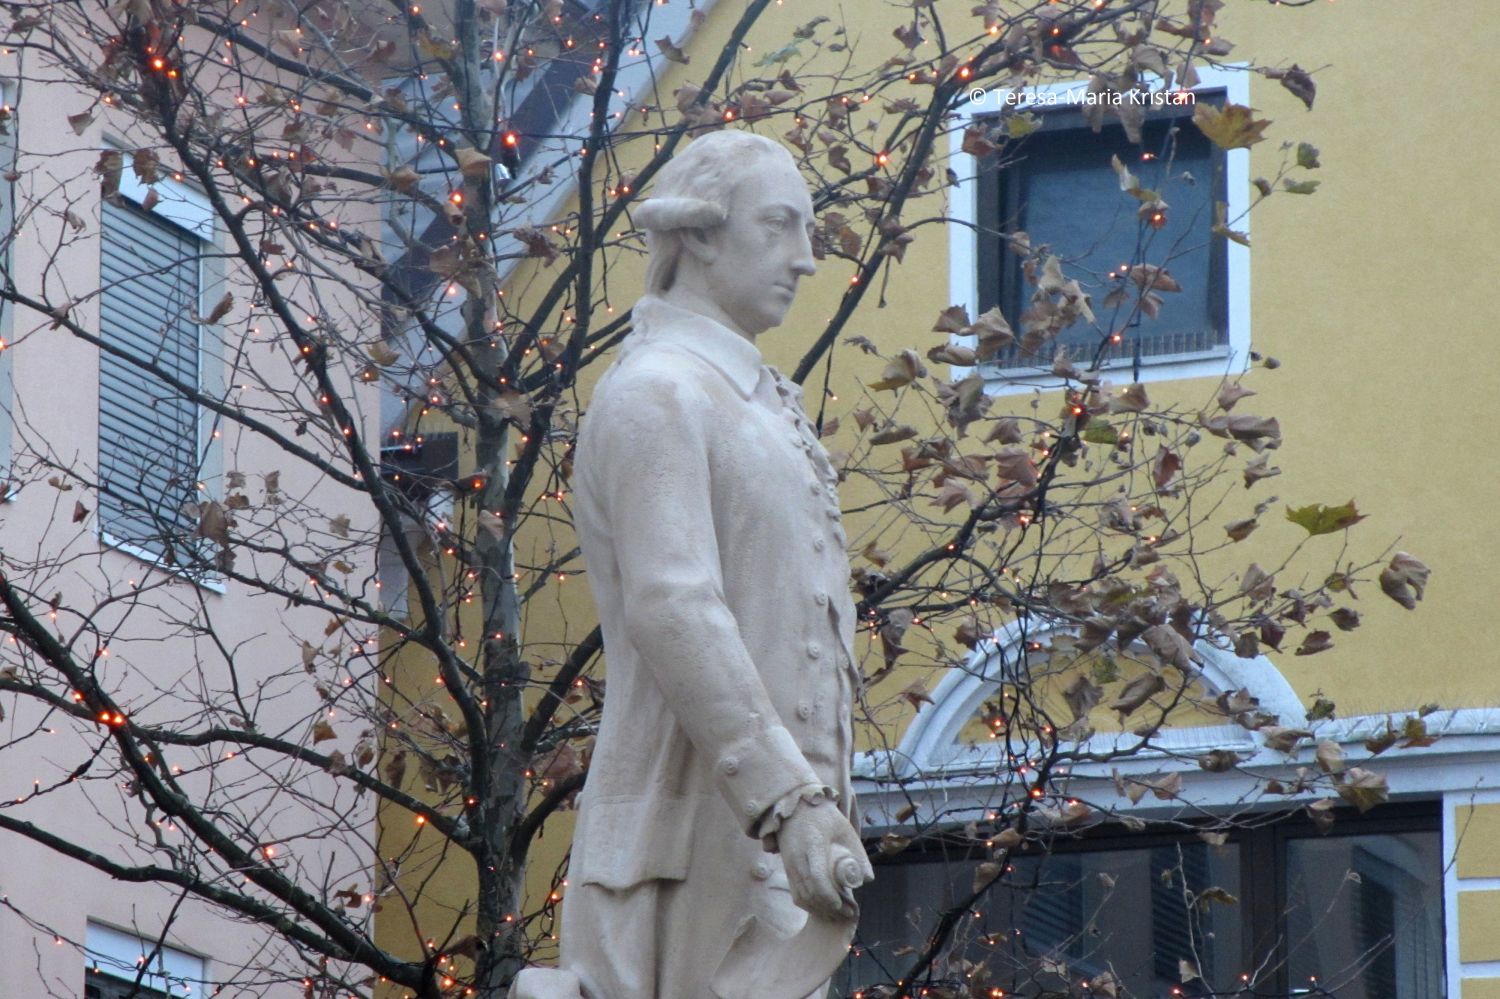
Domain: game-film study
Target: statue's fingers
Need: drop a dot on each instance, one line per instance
(824, 892)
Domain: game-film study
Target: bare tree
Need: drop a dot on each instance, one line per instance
(407, 226)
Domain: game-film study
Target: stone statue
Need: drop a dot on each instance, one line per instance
(715, 853)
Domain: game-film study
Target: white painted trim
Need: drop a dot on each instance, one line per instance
(1479, 884)
(963, 238)
(177, 201)
(1452, 967)
(185, 206)
(931, 746)
(120, 953)
(1464, 761)
(212, 582)
(1454, 886)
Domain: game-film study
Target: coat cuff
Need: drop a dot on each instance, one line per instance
(769, 827)
(757, 771)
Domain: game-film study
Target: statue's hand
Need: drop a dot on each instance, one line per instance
(825, 861)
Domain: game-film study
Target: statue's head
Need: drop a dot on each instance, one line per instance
(728, 228)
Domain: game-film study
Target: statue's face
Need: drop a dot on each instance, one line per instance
(763, 248)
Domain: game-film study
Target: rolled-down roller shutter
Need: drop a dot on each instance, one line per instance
(148, 430)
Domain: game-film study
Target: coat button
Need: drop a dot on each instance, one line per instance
(804, 711)
(730, 766)
(819, 544)
(753, 809)
(762, 870)
(820, 598)
(814, 650)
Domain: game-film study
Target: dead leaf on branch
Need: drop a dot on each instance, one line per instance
(902, 370)
(892, 631)
(1364, 789)
(1239, 530)
(1082, 696)
(1404, 580)
(1298, 82)
(109, 167)
(1260, 433)
(213, 523)
(1131, 399)
(146, 166)
(537, 242)
(219, 311)
(953, 319)
(1315, 642)
(671, 51)
(1168, 463)
(1217, 761)
(1329, 756)
(1136, 693)
(1170, 647)
(1283, 738)
(892, 434)
(1231, 393)
(1233, 127)
(472, 163)
(952, 353)
(1259, 468)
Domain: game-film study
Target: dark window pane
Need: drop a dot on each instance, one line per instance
(1364, 915)
(1064, 193)
(1133, 913)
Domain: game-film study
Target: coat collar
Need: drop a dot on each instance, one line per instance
(728, 353)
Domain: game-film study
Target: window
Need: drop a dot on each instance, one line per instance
(122, 965)
(1058, 186)
(1357, 913)
(150, 447)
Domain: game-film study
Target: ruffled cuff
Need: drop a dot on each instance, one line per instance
(770, 824)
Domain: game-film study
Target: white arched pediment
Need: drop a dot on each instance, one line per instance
(932, 744)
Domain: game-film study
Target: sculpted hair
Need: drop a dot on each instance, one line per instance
(693, 192)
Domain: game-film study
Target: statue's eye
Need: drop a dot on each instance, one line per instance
(776, 223)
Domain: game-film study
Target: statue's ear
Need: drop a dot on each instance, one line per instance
(702, 243)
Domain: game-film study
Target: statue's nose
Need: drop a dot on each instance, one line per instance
(803, 264)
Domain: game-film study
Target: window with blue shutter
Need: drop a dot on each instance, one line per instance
(149, 450)
(1061, 190)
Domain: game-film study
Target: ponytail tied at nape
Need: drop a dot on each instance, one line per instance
(668, 213)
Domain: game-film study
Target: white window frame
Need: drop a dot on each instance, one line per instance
(963, 238)
(121, 953)
(188, 208)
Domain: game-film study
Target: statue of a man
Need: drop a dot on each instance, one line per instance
(708, 517)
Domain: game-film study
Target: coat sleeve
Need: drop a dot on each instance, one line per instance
(651, 456)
